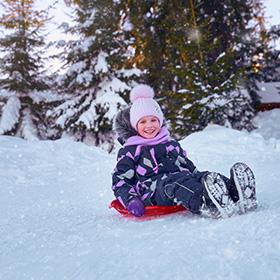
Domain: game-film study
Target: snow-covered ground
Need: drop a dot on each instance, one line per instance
(55, 222)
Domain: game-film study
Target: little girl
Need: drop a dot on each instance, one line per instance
(153, 169)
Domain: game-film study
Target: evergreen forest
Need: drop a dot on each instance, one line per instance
(203, 58)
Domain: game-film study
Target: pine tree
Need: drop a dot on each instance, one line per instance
(227, 46)
(21, 68)
(95, 80)
(196, 54)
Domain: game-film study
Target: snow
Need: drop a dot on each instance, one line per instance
(101, 65)
(269, 92)
(84, 78)
(55, 222)
(76, 67)
(10, 114)
(27, 128)
(265, 122)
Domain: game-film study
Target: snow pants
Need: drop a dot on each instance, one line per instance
(182, 188)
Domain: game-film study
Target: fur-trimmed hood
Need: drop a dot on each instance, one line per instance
(122, 126)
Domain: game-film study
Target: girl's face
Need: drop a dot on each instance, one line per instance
(148, 127)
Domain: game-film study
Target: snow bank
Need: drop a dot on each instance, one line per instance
(267, 123)
(55, 222)
(269, 92)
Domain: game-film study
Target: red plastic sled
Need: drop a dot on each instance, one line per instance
(150, 210)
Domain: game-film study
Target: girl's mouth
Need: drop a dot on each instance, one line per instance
(149, 131)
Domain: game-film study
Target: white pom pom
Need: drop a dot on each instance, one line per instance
(141, 91)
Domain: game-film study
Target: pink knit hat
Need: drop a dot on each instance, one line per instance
(143, 105)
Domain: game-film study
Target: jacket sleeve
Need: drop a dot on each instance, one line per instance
(185, 161)
(123, 178)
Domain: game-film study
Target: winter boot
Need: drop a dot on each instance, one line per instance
(244, 180)
(216, 196)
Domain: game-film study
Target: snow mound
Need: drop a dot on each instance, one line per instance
(267, 123)
(55, 222)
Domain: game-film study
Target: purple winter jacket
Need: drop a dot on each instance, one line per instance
(142, 163)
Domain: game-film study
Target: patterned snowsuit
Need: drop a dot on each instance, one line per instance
(158, 172)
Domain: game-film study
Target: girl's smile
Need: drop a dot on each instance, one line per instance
(148, 127)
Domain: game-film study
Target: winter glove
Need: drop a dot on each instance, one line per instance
(135, 207)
